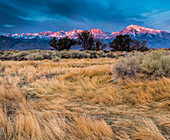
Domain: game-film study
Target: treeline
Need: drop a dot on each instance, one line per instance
(87, 42)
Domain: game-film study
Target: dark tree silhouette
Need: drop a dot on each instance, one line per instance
(53, 43)
(139, 45)
(86, 39)
(98, 45)
(62, 44)
(104, 46)
(125, 43)
(66, 43)
(121, 43)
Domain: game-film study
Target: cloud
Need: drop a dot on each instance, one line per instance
(8, 25)
(159, 19)
(109, 15)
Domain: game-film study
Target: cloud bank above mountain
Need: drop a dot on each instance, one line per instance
(55, 15)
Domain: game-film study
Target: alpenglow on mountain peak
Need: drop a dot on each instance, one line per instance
(98, 33)
(155, 38)
(139, 29)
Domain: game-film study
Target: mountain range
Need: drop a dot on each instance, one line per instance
(155, 38)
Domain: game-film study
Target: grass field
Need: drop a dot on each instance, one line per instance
(76, 99)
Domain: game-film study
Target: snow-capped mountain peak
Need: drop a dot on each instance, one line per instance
(155, 38)
(135, 29)
(132, 30)
(98, 33)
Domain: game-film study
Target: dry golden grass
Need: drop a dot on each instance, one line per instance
(75, 99)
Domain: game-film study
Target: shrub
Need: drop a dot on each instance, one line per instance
(157, 63)
(1, 53)
(151, 64)
(46, 56)
(64, 54)
(20, 56)
(93, 54)
(101, 54)
(38, 57)
(127, 67)
(56, 59)
(79, 55)
(110, 55)
(30, 57)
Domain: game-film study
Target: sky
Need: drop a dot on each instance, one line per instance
(22, 16)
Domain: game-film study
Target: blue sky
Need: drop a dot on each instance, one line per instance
(55, 15)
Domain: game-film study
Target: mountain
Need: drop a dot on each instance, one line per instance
(134, 29)
(49, 34)
(8, 43)
(155, 38)
(97, 33)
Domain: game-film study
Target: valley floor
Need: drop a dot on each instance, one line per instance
(76, 99)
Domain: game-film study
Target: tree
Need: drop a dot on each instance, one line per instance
(62, 44)
(104, 46)
(86, 39)
(125, 43)
(99, 45)
(53, 43)
(121, 43)
(139, 45)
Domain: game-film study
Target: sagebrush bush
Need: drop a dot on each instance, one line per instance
(127, 67)
(39, 57)
(110, 55)
(78, 54)
(93, 54)
(56, 59)
(20, 56)
(157, 63)
(49, 54)
(65, 54)
(101, 54)
(30, 57)
(154, 63)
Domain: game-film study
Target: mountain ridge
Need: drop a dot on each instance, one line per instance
(155, 38)
(98, 33)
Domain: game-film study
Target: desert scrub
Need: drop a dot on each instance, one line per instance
(157, 63)
(49, 54)
(110, 55)
(79, 55)
(151, 64)
(56, 59)
(127, 67)
(30, 57)
(1, 53)
(38, 57)
(93, 54)
(64, 54)
(19, 56)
